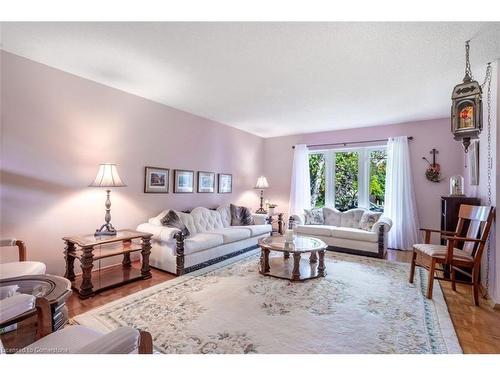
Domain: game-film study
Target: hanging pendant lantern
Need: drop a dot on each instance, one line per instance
(466, 107)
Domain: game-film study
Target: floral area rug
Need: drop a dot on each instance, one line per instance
(363, 305)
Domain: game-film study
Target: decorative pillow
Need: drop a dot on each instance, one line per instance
(368, 219)
(331, 216)
(172, 220)
(314, 216)
(240, 215)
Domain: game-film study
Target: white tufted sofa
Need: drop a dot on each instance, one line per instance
(343, 233)
(211, 239)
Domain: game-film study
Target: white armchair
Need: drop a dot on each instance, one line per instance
(72, 339)
(21, 268)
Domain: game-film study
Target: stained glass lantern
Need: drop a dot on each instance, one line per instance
(466, 107)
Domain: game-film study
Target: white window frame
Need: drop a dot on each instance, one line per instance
(363, 172)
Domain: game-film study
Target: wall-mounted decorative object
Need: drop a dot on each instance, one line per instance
(107, 176)
(183, 181)
(206, 182)
(474, 163)
(225, 183)
(156, 180)
(457, 186)
(466, 107)
(433, 172)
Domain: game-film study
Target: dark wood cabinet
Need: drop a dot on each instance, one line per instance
(449, 211)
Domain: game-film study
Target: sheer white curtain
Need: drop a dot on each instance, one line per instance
(300, 191)
(400, 204)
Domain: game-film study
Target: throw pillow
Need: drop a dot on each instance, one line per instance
(314, 216)
(240, 215)
(172, 220)
(368, 219)
(331, 216)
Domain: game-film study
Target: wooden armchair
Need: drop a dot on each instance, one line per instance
(21, 268)
(451, 256)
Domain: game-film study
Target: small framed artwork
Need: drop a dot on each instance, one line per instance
(474, 163)
(183, 181)
(206, 182)
(225, 183)
(156, 180)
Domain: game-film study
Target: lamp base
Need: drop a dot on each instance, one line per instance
(105, 230)
(261, 211)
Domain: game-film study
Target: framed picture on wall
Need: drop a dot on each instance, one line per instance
(156, 180)
(183, 181)
(206, 182)
(225, 183)
(474, 163)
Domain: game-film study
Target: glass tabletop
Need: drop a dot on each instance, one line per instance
(300, 244)
(37, 288)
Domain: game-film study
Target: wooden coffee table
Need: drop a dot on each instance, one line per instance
(295, 268)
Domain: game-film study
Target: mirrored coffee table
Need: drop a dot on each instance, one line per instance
(296, 267)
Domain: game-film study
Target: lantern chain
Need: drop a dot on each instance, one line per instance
(487, 81)
(468, 70)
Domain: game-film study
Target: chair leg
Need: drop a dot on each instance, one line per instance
(475, 285)
(430, 284)
(412, 267)
(453, 278)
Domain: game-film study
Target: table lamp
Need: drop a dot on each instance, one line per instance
(107, 176)
(261, 184)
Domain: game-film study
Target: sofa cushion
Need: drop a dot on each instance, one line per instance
(256, 230)
(206, 220)
(331, 216)
(314, 216)
(232, 234)
(240, 215)
(368, 219)
(16, 269)
(172, 220)
(186, 219)
(202, 241)
(351, 218)
(318, 230)
(225, 215)
(354, 234)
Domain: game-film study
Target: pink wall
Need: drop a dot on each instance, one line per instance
(427, 135)
(57, 128)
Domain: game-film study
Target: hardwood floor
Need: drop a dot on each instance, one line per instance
(478, 328)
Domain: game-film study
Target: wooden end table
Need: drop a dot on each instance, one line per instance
(89, 248)
(298, 268)
(276, 218)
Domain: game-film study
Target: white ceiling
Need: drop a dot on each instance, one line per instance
(271, 79)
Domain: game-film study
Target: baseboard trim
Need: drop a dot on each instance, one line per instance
(355, 252)
(218, 259)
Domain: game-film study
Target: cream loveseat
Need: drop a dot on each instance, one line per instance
(341, 231)
(211, 240)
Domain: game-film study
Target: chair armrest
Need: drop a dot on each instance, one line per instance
(465, 239)
(259, 219)
(160, 233)
(437, 231)
(13, 242)
(298, 219)
(384, 221)
(123, 340)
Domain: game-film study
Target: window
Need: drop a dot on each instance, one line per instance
(348, 178)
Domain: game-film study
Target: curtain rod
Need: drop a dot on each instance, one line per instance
(351, 143)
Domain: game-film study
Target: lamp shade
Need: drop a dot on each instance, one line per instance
(107, 176)
(261, 183)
